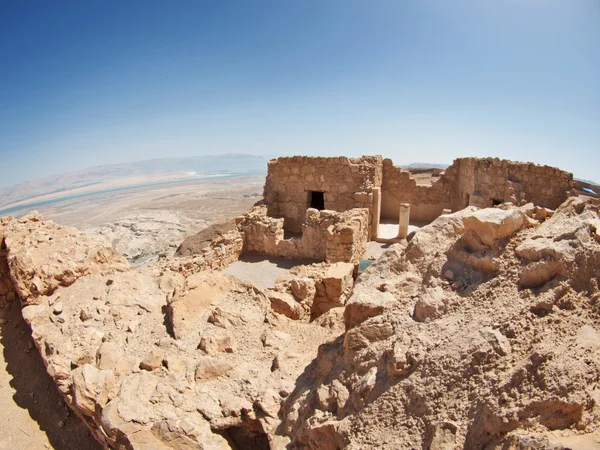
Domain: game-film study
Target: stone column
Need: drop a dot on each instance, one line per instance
(404, 216)
(375, 212)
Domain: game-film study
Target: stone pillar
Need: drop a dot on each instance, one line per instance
(375, 212)
(404, 216)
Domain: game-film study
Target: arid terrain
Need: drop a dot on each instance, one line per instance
(478, 329)
(142, 223)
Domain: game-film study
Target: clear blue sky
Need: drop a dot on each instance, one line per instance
(85, 83)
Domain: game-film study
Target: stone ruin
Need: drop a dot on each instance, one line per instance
(296, 184)
(480, 330)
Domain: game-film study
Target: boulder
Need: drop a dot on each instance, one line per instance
(492, 224)
(284, 303)
(363, 305)
(431, 305)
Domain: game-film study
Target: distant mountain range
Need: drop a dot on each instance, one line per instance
(587, 181)
(419, 165)
(138, 172)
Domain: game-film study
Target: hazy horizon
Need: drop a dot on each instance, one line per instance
(86, 85)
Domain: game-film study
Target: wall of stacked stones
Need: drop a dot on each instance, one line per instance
(347, 240)
(426, 202)
(326, 235)
(290, 180)
(221, 252)
(492, 179)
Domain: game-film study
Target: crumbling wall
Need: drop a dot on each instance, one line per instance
(326, 235)
(426, 202)
(481, 182)
(347, 239)
(221, 252)
(346, 183)
(488, 181)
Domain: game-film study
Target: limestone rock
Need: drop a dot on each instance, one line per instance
(188, 308)
(361, 306)
(91, 387)
(493, 224)
(153, 359)
(283, 303)
(43, 256)
(431, 305)
(333, 288)
(209, 368)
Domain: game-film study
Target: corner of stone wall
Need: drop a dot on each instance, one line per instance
(347, 239)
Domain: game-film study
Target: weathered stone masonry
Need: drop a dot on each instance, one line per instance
(326, 235)
(348, 183)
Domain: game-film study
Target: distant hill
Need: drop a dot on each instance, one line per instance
(153, 170)
(593, 183)
(419, 165)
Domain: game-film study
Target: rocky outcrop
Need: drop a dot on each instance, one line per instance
(193, 245)
(308, 292)
(145, 236)
(439, 353)
(156, 358)
(43, 256)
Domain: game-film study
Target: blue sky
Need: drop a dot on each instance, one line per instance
(84, 83)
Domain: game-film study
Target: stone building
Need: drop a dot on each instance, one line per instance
(296, 184)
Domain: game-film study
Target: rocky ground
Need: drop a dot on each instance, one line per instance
(483, 331)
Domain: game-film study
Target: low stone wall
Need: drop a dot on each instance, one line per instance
(326, 235)
(221, 252)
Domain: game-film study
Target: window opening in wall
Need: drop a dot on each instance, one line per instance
(317, 200)
(496, 202)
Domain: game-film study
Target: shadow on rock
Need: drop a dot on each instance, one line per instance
(35, 389)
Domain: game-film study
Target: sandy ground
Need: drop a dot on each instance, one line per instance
(262, 271)
(32, 414)
(389, 229)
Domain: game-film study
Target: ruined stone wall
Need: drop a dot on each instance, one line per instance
(485, 181)
(326, 235)
(221, 252)
(480, 182)
(347, 239)
(427, 202)
(346, 183)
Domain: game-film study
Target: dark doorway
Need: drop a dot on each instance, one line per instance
(496, 202)
(317, 200)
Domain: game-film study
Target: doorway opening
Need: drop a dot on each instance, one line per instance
(317, 200)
